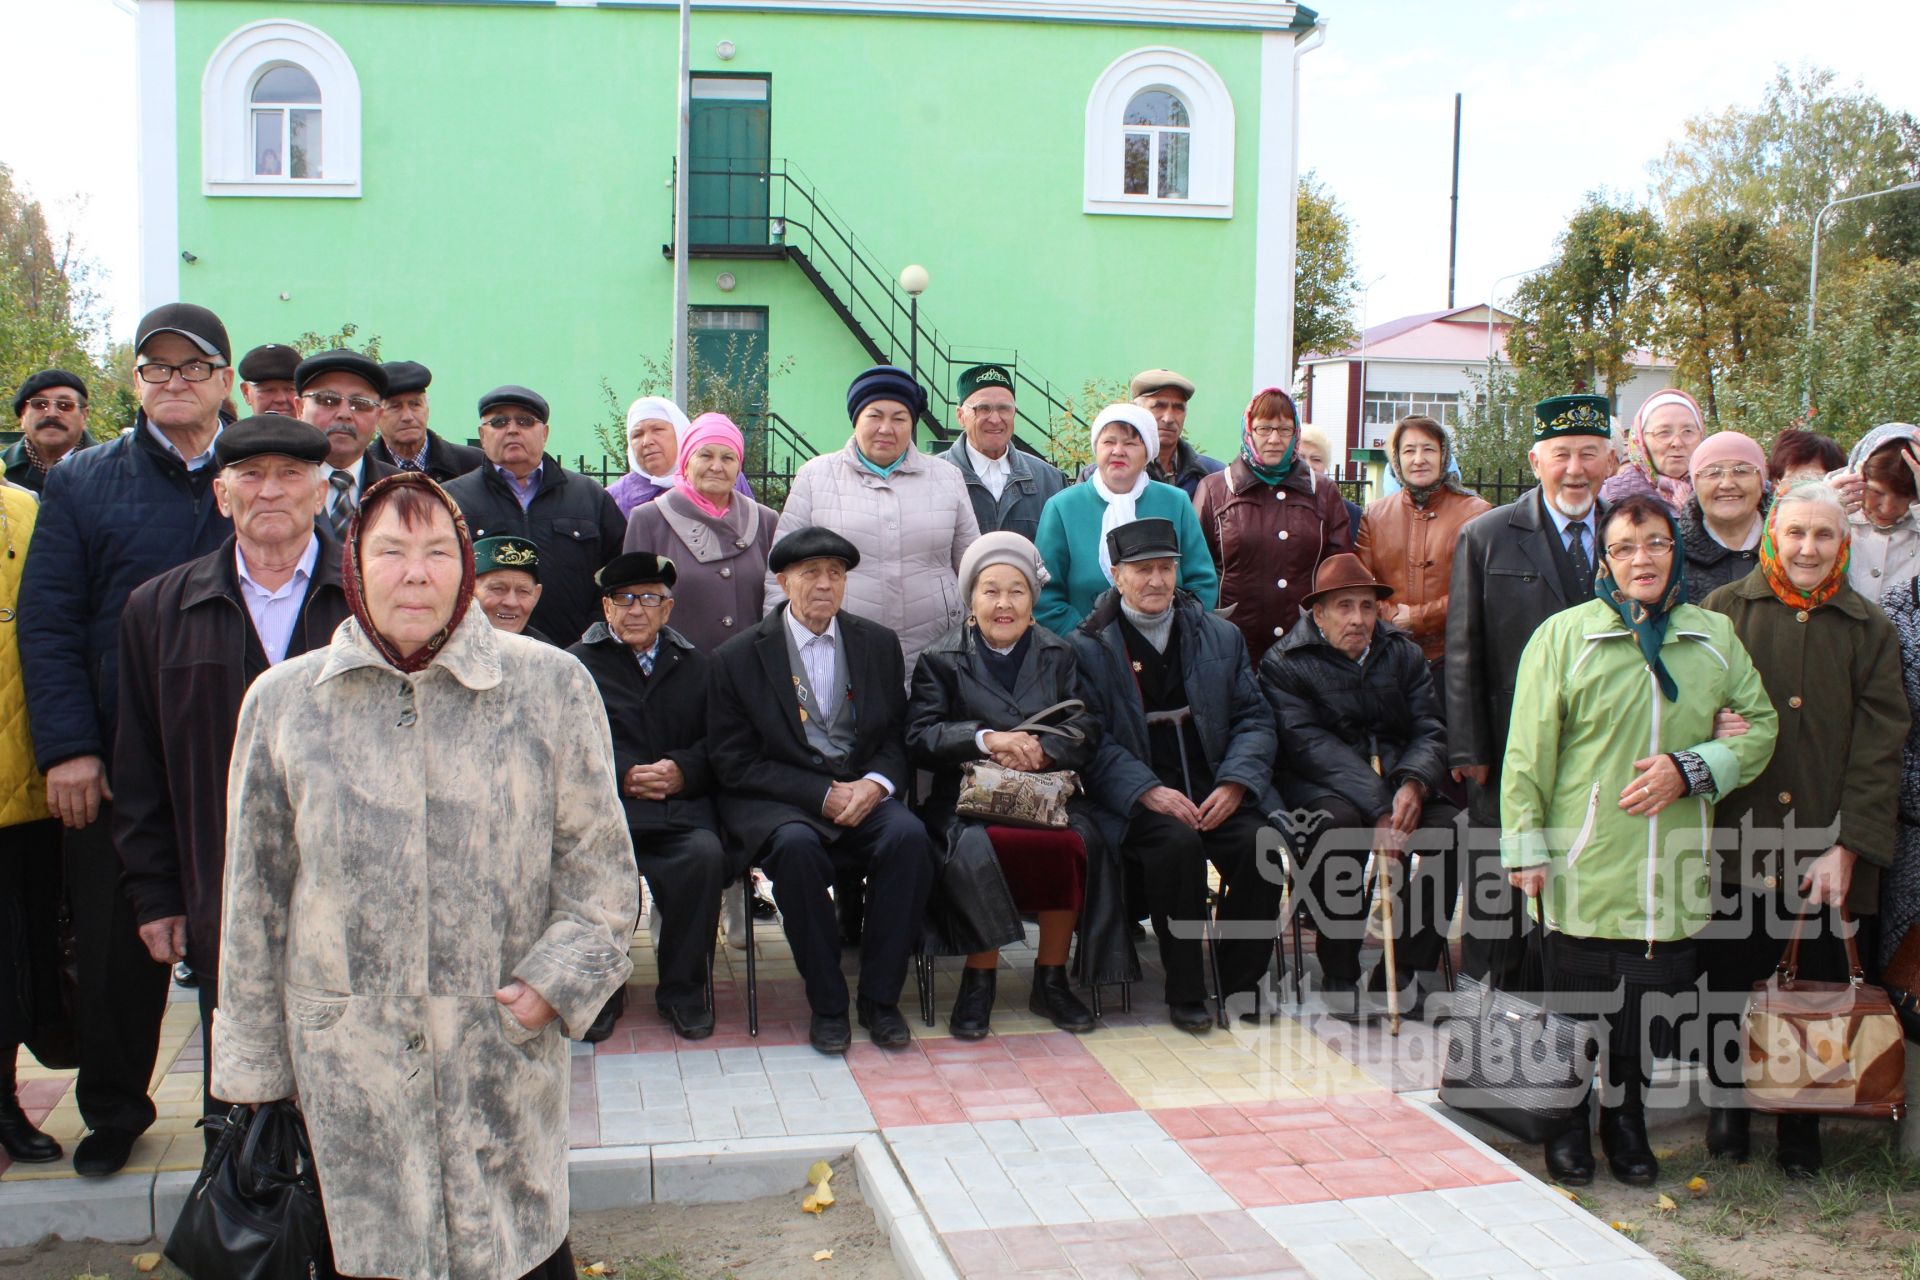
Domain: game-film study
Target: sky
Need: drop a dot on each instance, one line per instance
(1562, 97)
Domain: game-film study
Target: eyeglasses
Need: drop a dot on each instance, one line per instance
(333, 400)
(1738, 470)
(1655, 547)
(999, 410)
(192, 371)
(40, 404)
(501, 421)
(1667, 435)
(1270, 433)
(627, 599)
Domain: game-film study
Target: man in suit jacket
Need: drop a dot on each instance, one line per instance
(340, 394)
(1515, 567)
(404, 440)
(806, 732)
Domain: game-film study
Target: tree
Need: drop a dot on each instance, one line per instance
(311, 342)
(1581, 320)
(1324, 278)
(1725, 309)
(48, 311)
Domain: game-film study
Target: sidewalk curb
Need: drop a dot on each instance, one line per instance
(117, 1210)
(916, 1246)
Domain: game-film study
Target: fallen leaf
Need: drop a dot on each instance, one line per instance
(823, 1193)
(145, 1262)
(811, 1205)
(1631, 1230)
(1665, 1203)
(1568, 1194)
(596, 1269)
(820, 1172)
(825, 1255)
(1697, 1185)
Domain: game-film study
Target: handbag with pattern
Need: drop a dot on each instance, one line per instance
(991, 792)
(1824, 1048)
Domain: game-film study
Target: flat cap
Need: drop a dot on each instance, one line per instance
(632, 568)
(340, 360)
(532, 401)
(1149, 539)
(270, 433)
(505, 552)
(1147, 381)
(196, 324)
(812, 543)
(45, 380)
(406, 376)
(271, 362)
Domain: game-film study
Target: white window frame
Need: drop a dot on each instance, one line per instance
(1210, 115)
(226, 112)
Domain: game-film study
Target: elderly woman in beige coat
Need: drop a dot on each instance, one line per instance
(429, 879)
(906, 511)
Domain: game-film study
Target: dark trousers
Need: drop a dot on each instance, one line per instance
(1624, 986)
(1339, 895)
(686, 871)
(209, 993)
(1493, 947)
(30, 891)
(1173, 861)
(558, 1267)
(123, 990)
(892, 850)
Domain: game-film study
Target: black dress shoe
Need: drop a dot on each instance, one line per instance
(1623, 1136)
(1798, 1153)
(885, 1023)
(829, 1033)
(18, 1137)
(1570, 1155)
(1195, 1016)
(1413, 996)
(609, 1014)
(1728, 1133)
(1345, 1001)
(692, 1022)
(1053, 998)
(973, 1004)
(103, 1151)
(184, 976)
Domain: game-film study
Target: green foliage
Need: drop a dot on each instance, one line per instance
(712, 387)
(342, 338)
(1072, 448)
(50, 314)
(1496, 428)
(1581, 319)
(1725, 308)
(1324, 278)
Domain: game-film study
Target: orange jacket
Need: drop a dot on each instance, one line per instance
(1410, 549)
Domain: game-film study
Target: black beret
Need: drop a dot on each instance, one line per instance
(42, 381)
(510, 394)
(274, 362)
(1149, 539)
(811, 543)
(404, 376)
(506, 552)
(340, 360)
(884, 382)
(635, 567)
(196, 324)
(270, 433)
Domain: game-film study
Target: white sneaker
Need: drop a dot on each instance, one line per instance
(733, 916)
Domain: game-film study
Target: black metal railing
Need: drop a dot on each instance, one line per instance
(775, 450)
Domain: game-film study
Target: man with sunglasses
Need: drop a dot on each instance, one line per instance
(340, 393)
(574, 523)
(111, 518)
(52, 409)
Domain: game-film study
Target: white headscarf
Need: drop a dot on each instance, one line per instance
(1122, 508)
(654, 407)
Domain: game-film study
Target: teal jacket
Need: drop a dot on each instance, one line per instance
(1069, 543)
(1586, 707)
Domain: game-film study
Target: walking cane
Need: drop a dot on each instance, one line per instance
(1383, 885)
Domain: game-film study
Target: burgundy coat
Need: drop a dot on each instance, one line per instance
(1266, 541)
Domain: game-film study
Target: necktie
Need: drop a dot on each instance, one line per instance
(646, 663)
(410, 464)
(342, 509)
(1577, 552)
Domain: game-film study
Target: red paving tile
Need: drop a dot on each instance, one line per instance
(1183, 1246)
(1023, 1077)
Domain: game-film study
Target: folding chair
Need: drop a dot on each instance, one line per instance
(753, 989)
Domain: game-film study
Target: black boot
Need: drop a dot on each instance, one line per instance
(1623, 1136)
(973, 1004)
(1053, 998)
(609, 1014)
(1798, 1153)
(1570, 1153)
(18, 1137)
(1727, 1133)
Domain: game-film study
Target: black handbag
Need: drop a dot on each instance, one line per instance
(1514, 1063)
(255, 1211)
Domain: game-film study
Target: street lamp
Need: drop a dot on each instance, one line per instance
(1366, 291)
(913, 278)
(1813, 271)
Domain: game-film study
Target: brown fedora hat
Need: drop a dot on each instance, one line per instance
(1339, 573)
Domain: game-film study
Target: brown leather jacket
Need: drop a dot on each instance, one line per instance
(1266, 543)
(1410, 549)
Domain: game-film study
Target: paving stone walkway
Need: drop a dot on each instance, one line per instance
(1296, 1147)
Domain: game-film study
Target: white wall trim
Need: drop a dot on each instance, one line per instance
(1209, 107)
(225, 153)
(159, 165)
(1243, 15)
(1276, 200)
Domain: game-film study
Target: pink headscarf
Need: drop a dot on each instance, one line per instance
(1676, 492)
(708, 428)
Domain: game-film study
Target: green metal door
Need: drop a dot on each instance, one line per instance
(728, 161)
(729, 369)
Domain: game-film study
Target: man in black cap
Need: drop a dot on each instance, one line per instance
(340, 394)
(806, 730)
(1007, 486)
(405, 442)
(51, 407)
(654, 685)
(1515, 567)
(112, 517)
(575, 524)
(1185, 771)
(266, 379)
(191, 641)
(506, 583)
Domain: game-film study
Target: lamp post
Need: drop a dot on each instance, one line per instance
(681, 181)
(1366, 291)
(1813, 271)
(914, 280)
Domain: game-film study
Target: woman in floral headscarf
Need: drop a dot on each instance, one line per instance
(1606, 799)
(1815, 829)
(1666, 431)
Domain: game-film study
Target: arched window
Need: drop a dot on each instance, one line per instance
(1160, 138)
(280, 114)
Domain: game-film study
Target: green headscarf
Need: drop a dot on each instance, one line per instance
(1648, 622)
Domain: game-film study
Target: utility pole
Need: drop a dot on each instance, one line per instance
(1453, 226)
(1813, 271)
(682, 179)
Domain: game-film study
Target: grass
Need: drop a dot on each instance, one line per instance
(1908, 1260)
(1688, 1262)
